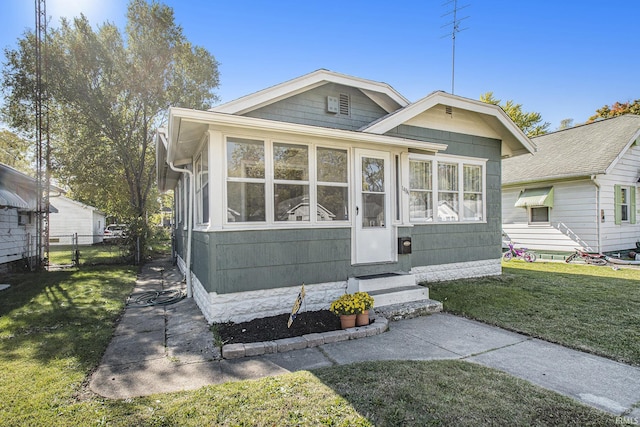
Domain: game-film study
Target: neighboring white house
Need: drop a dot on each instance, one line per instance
(17, 218)
(583, 179)
(75, 218)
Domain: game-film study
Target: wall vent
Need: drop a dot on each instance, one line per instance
(448, 110)
(344, 104)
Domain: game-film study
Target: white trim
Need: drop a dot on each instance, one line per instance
(309, 81)
(460, 161)
(628, 145)
(435, 98)
(181, 117)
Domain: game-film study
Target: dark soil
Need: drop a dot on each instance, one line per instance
(275, 327)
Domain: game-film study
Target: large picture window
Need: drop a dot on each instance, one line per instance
(446, 190)
(278, 182)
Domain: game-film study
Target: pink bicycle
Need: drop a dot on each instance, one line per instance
(522, 253)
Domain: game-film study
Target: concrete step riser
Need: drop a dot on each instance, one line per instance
(370, 285)
(401, 297)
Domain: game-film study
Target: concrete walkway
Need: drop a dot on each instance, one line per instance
(169, 348)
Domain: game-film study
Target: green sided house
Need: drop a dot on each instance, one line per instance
(338, 183)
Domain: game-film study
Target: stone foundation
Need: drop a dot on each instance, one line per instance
(457, 270)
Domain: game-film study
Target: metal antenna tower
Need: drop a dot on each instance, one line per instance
(42, 138)
(455, 29)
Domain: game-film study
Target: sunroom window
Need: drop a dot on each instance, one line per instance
(291, 182)
(446, 190)
(332, 186)
(202, 187)
(245, 180)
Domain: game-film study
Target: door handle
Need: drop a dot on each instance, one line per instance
(357, 210)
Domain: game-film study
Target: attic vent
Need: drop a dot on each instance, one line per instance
(448, 110)
(344, 104)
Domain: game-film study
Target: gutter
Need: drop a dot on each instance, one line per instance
(189, 225)
(594, 179)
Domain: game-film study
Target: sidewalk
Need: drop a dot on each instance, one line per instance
(169, 348)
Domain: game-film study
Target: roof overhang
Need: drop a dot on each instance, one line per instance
(188, 128)
(480, 118)
(381, 93)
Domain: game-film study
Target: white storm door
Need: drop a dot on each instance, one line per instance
(373, 232)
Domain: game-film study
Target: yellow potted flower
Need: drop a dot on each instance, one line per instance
(349, 306)
(365, 301)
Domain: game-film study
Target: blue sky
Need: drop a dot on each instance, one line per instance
(562, 59)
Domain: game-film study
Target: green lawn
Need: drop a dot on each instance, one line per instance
(590, 308)
(88, 254)
(55, 326)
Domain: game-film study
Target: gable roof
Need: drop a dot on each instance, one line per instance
(489, 116)
(581, 151)
(381, 93)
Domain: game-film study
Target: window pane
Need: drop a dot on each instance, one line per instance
(420, 175)
(291, 162)
(291, 202)
(373, 210)
(472, 208)
(205, 203)
(447, 206)
(372, 175)
(333, 203)
(245, 202)
(540, 214)
(332, 165)
(421, 205)
(447, 177)
(472, 178)
(245, 158)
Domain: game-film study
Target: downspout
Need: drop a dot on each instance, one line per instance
(189, 224)
(594, 179)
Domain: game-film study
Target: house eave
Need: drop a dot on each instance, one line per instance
(514, 141)
(381, 93)
(186, 126)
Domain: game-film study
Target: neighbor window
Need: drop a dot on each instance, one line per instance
(625, 204)
(446, 190)
(539, 214)
(245, 180)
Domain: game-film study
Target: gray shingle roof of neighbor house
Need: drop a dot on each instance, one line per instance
(580, 151)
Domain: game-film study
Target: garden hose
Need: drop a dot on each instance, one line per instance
(152, 298)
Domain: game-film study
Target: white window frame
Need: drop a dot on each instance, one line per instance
(270, 182)
(625, 201)
(530, 212)
(202, 187)
(435, 190)
(177, 196)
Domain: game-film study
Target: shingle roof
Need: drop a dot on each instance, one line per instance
(580, 151)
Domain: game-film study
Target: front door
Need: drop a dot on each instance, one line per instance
(373, 232)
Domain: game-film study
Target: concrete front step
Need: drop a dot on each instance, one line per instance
(399, 295)
(409, 310)
(384, 281)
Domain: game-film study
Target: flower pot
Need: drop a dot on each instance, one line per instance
(347, 321)
(362, 319)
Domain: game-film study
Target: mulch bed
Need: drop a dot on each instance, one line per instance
(275, 327)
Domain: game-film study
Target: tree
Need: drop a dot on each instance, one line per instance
(565, 124)
(530, 123)
(16, 151)
(107, 93)
(616, 109)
